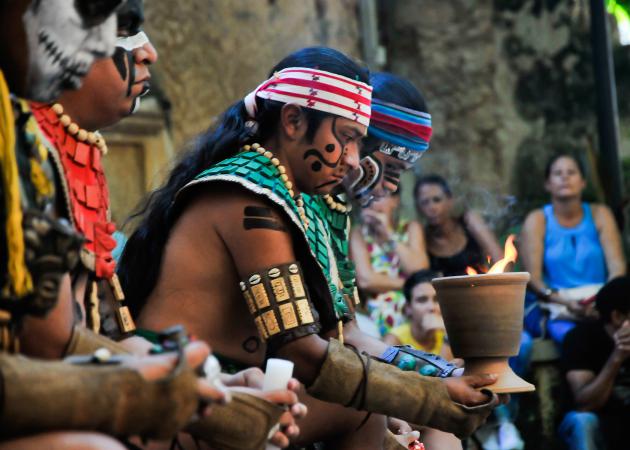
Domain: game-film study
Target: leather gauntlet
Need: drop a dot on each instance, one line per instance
(242, 424)
(43, 396)
(85, 342)
(378, 387)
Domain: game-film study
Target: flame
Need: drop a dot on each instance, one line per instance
(510, 256)
(470, 271)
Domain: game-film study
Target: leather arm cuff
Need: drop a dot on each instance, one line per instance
(242, 424)
(377, 387)
(43, 396)
(85, 342)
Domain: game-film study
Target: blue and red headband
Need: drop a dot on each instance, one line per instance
(401, 127)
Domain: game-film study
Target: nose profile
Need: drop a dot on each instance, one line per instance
(351, 157)
(147, 54)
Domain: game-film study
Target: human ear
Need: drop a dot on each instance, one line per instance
(293, 121)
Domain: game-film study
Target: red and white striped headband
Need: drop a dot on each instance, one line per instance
(316, 89)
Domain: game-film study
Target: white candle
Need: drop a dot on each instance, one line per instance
(277, 376)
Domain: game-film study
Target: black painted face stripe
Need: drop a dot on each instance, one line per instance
(391, 180)
(317, 154)
(132, 72)
(257, 211)
(120, 62)
(251, 223)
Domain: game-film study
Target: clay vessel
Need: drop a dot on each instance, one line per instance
(483, 315)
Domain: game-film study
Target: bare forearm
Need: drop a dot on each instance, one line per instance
(363, 342)
(411, 260)
(377, 283)
(308, 354)
(596, 393)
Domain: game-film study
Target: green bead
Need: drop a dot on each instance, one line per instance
(407, 363)
(429, 371)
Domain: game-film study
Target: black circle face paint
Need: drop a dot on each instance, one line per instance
(330, 148)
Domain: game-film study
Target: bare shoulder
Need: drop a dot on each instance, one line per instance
(601, 212)
(473, 219)
(226, 205)
(535, 220)
(415, 226)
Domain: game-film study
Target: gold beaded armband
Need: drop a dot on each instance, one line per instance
(279, 302)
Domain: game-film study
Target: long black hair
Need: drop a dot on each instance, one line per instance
(399, 91)
(141, 260)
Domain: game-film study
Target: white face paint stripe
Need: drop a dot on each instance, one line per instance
(130, 43)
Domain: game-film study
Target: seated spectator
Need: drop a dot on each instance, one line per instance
(424, 329)
(453, 243)
(596, 357)
(384, 249)
(570, 248)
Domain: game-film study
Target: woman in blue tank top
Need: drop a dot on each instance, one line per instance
(569, 244)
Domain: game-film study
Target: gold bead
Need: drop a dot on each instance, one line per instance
(282, 169)
(299, 201)
(275, 161)
(57, 109)
(268, 154)
(91, 137)
(301, 210)
(261, 150)
(65, 120)
(255, 146)
(247, 148)
(82, 135)
(104, 149)
(342, 208)
(291, 193)
(73, 128)
(288, 184)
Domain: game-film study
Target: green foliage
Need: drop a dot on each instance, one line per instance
(620, 9)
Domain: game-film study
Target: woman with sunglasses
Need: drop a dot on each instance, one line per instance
(453, 242)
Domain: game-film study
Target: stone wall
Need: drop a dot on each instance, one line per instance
(213, 52)
(508, 82)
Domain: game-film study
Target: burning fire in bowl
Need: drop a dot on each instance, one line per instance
(483, 314)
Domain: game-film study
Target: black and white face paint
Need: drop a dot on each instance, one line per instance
(125, 62)
(362, 182)
(64, 38)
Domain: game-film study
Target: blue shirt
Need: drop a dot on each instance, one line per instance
(573, 256)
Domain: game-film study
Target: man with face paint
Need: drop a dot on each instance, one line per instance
(228, 216)
(400, 132)
(37, 251)
(111, 91)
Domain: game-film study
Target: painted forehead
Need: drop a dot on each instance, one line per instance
(131, 17)
(94, 12)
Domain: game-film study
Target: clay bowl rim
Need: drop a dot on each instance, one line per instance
(493, 279)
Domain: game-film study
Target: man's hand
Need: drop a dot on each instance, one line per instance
(378, 223)
(463, 389)
(622, 341)
(402, 431)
